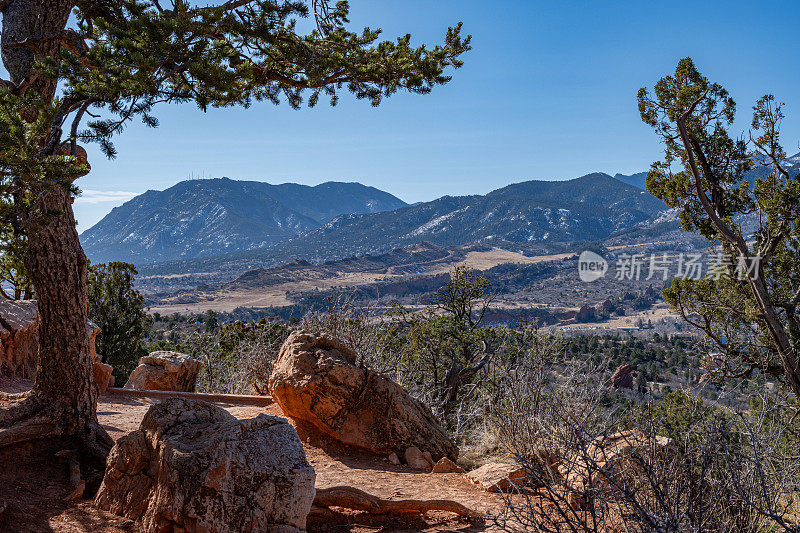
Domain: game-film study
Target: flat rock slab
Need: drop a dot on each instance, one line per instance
(498, 477)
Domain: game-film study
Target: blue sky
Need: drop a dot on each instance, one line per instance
(548, 92)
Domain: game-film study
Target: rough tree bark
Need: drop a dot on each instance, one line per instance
(62, 406)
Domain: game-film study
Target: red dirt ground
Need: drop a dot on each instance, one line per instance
(34, 488)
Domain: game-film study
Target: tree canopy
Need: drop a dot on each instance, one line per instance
(120, 59)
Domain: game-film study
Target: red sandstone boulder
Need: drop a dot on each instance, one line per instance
(623, 377)
(417, 459)
(315, 379)
(498, 477)
(102, 375)
(446, 466)
(19, 338)
(165, 371)
(193, 467)
(101, 371)
(19, 343)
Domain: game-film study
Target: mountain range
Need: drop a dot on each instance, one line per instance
(213, 225)
(790, 164)
(209, 217)
(638, 180)
(584, 209)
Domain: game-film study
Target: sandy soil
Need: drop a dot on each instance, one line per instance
(34, 487)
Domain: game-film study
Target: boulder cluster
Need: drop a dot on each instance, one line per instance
(193, 467)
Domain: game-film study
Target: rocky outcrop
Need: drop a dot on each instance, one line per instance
(193, 467)
(623, 377)
(19, 343)
(19, 338)
(166, 371)
(446, 466)
(498, 477)
(315, 379)
(585, 314)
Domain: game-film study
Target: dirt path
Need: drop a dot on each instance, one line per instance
(34, 487)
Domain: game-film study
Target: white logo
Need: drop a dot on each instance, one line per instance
(591, 266)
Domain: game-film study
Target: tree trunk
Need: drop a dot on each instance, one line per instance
(63, 402)
(59, 270)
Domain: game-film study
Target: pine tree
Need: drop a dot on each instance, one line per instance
(81, 70)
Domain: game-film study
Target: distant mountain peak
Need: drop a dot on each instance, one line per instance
(527, 214)
(638, 180)
(211, 216)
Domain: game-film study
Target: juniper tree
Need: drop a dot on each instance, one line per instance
(739, 194)
(119, 311)
(448, 343)
(80, 70)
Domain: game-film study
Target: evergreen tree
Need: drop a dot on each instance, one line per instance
(211, 320)
(738, 193)
(113, 61)
(118, 309)
(14, 281)
(448, 340)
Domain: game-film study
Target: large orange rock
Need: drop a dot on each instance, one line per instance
(193, 467)
(498, 477)
(19, 338)
(102, 375)
(315, 379)
(446, 466)
(623, 377)
(101, 371)
(165, 371)
(19, 343)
